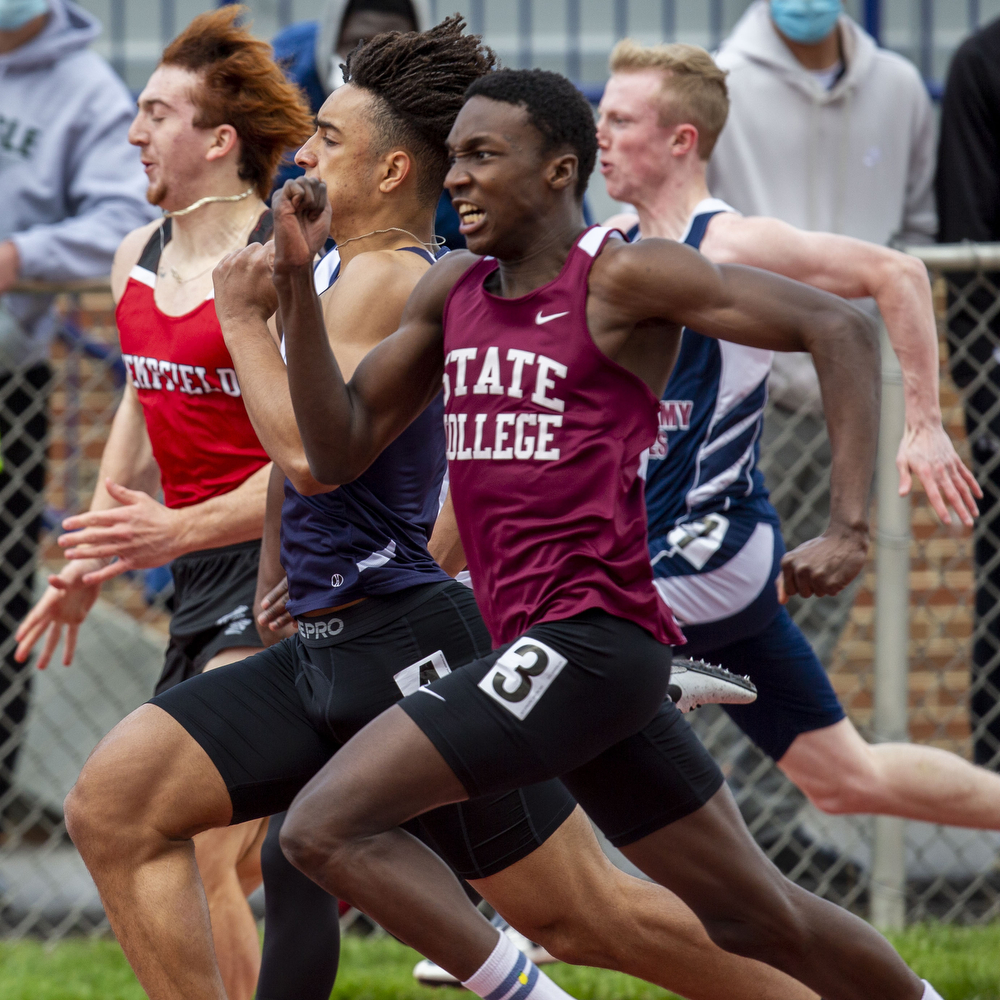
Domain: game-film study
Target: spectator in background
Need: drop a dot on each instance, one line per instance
(827, 132)
(312, 52)
(968, 196)
(72, 187)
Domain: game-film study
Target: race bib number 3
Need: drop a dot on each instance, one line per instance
(522, 675)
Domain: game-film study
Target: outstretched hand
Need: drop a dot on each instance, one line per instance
(823, 566)
(928, 452)
(66, 601)
(301, 222)
(243, 286)
(140, 534)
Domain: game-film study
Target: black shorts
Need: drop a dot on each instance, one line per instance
(214, 592)
(581, 699)
(271, 721)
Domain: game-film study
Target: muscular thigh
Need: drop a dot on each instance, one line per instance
(149, 769)
(648, 780)
(249, 720)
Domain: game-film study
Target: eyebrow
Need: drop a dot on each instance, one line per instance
(473, 141)
(147, 102)
(321, 123)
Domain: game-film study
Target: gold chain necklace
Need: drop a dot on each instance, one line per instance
(174, 273)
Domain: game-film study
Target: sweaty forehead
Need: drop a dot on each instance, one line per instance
(484, 118)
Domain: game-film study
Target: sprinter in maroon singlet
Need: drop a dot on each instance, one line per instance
(527, 400)
(577, 694)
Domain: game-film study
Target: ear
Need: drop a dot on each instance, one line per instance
(684, 140)
(224, 140)
(562, 171)
(396, 167)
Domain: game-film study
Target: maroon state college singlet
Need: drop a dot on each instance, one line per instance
(547, 441)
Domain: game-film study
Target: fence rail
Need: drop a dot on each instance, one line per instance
(909, 657)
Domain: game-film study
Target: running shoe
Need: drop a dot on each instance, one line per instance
(694, 683)
(430, 974)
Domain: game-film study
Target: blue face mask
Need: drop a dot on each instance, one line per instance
(16, 13)
(805, 21)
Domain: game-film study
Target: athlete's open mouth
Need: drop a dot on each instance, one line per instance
(471, 216)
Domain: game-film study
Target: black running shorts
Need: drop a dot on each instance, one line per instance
(213, 608)
(271, 721)
(581, 699)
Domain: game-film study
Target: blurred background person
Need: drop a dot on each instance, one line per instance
(72, 188)
(968, 198)
(311, 53)
(829, 132)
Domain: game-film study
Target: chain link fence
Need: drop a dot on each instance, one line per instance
(920, 663)
(938, 589)
(54, 422)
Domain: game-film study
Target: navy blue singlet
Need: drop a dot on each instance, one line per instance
(368, 537)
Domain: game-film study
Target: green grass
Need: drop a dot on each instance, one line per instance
(963, 963)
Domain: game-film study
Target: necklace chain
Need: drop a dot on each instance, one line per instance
(174, 273)
(435, 244)
(207, 201)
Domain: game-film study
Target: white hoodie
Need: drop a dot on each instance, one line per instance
(857, 159)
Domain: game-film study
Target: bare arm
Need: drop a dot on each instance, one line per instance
(345, 426)
(244, 300)
(657, 279)
(855, 269)
(273, 622)
(445, 545)
(358, 312)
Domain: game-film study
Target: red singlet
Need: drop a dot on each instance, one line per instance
(202, 438)
(547, 441)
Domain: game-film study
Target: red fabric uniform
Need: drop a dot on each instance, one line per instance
(202, 438)
(547, 441)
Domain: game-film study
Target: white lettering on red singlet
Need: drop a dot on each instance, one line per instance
(171, 376)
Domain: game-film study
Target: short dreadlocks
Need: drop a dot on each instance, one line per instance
(419, 83)
(554, 106)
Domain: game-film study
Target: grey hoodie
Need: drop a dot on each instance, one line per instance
(857, 159)
(72, 185)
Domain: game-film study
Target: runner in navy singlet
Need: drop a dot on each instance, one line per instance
(578, 694)
(377, 619)
(715, 540)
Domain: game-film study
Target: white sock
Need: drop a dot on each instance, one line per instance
(508, 975)
(929, 992)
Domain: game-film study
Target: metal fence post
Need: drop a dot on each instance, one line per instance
(892, 618)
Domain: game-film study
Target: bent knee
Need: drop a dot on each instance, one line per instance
(573, 939)
(306, 846)
(847, 791)
(772, 929)
(95, 818)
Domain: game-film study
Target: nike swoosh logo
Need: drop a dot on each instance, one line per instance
(540, 319)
